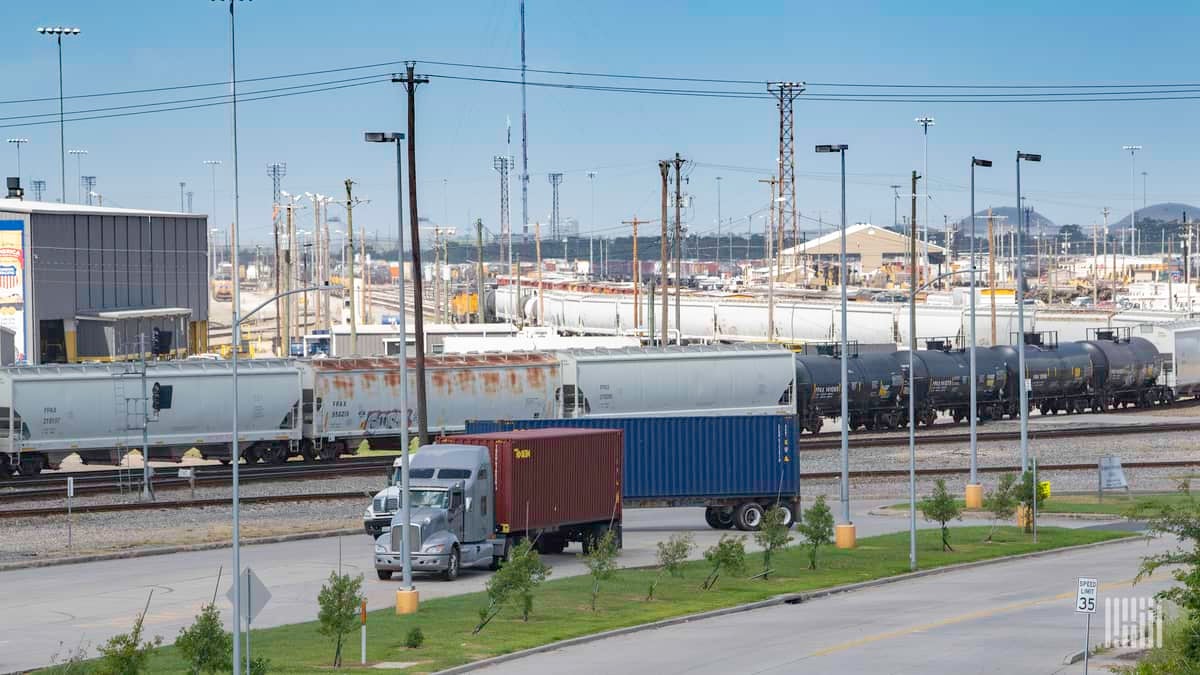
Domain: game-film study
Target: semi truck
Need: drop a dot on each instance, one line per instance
(473, 497)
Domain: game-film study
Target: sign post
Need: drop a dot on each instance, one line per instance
(254, 596)
(189, 474)
(70, 495)
(363, 614)
(1085, 603)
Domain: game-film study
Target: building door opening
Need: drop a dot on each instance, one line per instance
(53, 348)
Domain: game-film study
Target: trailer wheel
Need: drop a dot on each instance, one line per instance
(788, 515)
(384, 575)
(749, 517)
(451, 571)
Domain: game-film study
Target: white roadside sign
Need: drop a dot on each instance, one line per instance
(1112, 476)
(1085, 600)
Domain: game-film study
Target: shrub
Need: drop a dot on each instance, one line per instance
(516, 578)
(1002, 502)
(671, 556)
(772, 536)
(728, 554)
(126, 654)
(205, 645)
(1025, 494)
(415, 638)
(601, 560)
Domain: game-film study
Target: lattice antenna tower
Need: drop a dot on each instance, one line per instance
(785, 94)
(555, 181)
(276, 170)
(503, 165)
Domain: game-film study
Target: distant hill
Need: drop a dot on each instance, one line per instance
(1009, 213)
(1165, 212)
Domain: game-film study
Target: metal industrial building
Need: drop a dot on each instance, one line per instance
(868, 248)
(81, 283)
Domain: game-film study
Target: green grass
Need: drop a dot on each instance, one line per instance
(1115, 504)
(561, 605)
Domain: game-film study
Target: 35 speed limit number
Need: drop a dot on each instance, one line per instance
(1085, 600)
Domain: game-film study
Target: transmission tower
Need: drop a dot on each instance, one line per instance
(503, 164)
(785, 94)
(555, 180)
(39, 188)
(276, 170)
(89, 186)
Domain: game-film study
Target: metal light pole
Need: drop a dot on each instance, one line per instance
(1020, 257)
(406, 560)
(846, 533)
(235, 450)
(925, 123)
(719, 227)
(974, 492)
(1132, 197)
(78, 174)
(213, 164)
(17, 142)
(58, 32)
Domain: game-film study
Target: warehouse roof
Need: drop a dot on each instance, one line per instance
(27, 206)
(853, 231)
(122, 314)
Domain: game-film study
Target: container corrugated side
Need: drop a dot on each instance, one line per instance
(694, 457)
(553, 477)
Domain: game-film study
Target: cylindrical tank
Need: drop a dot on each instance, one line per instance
(1123, 366)
(819, 388)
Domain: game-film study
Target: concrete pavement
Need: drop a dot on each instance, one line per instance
(93, 601)
(1013, 617)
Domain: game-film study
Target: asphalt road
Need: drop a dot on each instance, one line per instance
(87, 603)
(1014, 617)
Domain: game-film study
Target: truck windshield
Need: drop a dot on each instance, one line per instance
(434, 499)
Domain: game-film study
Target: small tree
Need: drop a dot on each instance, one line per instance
(339, 599)
(671, 556)
(126, 654)
(205, 645)
(941, 507)
(1002, 502)
(415, 638)
(772, 535)
(516, 579)
(601, 560)
(1025, 493)
(817, 529)
(728, 554)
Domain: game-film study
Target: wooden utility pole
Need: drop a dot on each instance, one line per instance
(479, 270)
(770, 258)
(537, 242)
(279, 325)
(664, 168)
(992, 272)
(410, 85)
(678, 162)
(350, 264)
(636, 276)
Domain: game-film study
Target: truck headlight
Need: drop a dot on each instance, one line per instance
(380, 548)
(436, 548)
(368, 514)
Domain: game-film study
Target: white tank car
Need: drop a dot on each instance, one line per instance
(677, 381)
(95, 410)
(359, 398)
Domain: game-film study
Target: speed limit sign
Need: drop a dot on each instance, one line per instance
(1085, 600)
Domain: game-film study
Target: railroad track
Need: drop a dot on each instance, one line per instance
(333, 496)
(98, 482)
(824, 442)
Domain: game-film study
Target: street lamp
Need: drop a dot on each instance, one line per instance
(213, 164)
(401, 322)
(58, 32)
(845, 531)
(17, 142)
(974, 493)
(78, 174)
(1132, 197)
(925, 122)
(1020, 282)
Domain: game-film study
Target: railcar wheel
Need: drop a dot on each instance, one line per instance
(30, 465)
(328, 453)
(748, 517)
(276, 454)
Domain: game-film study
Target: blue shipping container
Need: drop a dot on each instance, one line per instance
(677, 458)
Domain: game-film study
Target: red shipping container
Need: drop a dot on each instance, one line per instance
(547, 478)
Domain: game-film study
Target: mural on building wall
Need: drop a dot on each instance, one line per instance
(12, 282)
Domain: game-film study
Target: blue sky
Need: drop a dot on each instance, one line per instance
(140, 160)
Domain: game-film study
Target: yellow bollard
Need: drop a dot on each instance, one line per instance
(844, 536)
(1024, 516)
(974, 496)
(407, 601)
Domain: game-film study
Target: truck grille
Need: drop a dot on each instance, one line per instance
(414, 538)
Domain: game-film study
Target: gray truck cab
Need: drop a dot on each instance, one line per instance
(451, 524)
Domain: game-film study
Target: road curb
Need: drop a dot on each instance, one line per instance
(1098, 517)
(166, 550)
(785, 599)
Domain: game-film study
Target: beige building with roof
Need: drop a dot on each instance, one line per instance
(869, 248)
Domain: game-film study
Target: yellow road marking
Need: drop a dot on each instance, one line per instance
(982, 614)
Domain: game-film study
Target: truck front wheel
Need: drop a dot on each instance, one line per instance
(451, 571)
